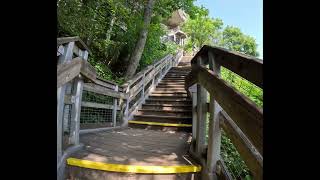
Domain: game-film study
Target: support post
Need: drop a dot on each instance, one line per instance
(193, 91)
(214, 141)
(76, 111)
(202, 116)
(126, 111)
(114, 110)
(68, 51)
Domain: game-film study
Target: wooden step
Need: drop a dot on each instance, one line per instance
(160, 112)
(161, 128)
(171, 83)
(170, 95)
(167, 101)
(167, 106)
(171, 86)
(162, 88)
(164, 119)
(168, 92)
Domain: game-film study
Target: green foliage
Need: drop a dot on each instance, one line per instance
(112, 43)
(202, 29)
(232, 159)
(234, 39)
(247, 88)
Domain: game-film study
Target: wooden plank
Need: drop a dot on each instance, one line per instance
(248, 67)
(76, 39)
(250, 155)
(114, 110)
(88, 71)
(69, 70)
(201, 117)
(242, 110)
(214, 141)
(136, 88)
(105, 83)
(97, 105)
(76, 110)
(102, 90)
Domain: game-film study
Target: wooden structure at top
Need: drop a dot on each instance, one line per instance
(229, 110)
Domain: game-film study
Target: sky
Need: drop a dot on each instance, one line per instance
(245, 14)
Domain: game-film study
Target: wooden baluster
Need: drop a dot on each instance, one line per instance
(214, 141)
(201, 116)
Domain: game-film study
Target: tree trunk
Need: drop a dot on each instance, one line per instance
(138, 50)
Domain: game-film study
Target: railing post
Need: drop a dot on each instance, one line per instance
(143, 84)
(193, 91)
(114, 110)
(201, 116)
(214, 141)
(76, 111)
(126, 112)
(68, 51)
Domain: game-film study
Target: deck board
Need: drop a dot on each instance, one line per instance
(136, 147)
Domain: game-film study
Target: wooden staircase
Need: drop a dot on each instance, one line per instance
(168, 107)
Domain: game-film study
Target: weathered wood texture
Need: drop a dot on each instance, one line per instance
(69, 70)
(125, 146)
(250, 155)
(243, 111)
(76, 39)
(103, 90)
(247, 67)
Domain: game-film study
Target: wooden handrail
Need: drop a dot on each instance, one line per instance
(76, 39)
(250, 155)
(246, 114)
(230, 110)
(248, 67)
(69, 70)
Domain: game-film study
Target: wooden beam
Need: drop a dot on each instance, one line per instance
(248, 67)
(114, 111)
(105, 83)
(76, 39)
(69, 70)
(214, 134)
(250, 155)
(97, 105)
(242, 110)
(102, 90)
(201, 117)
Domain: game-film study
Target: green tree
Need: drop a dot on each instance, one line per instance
(202, 29)
(234, 39)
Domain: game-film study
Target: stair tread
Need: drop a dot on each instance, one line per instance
(160, 110)
(151, 99)
(169, 105)
(158, 116)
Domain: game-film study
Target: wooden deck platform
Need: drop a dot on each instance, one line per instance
(135, 151)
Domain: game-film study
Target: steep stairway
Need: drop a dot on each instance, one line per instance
(168, 107)
(154, 147)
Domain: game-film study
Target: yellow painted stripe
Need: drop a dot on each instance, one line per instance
(133, 168)
(161, 124)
